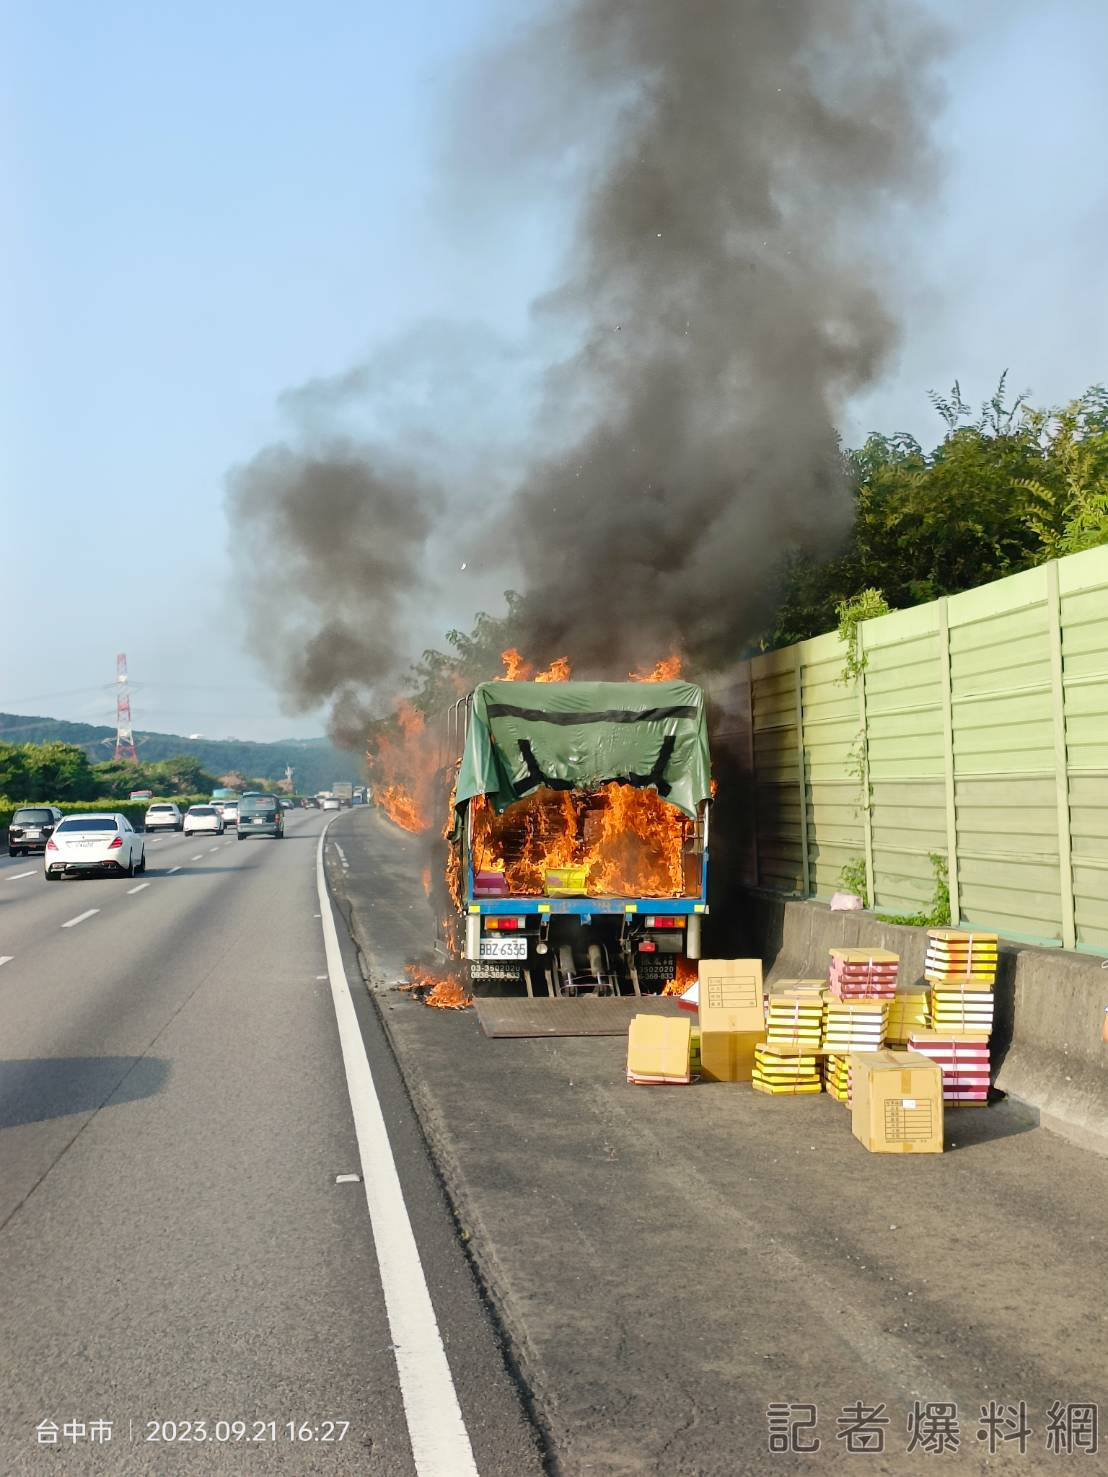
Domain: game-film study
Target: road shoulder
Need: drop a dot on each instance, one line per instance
(667, 1263)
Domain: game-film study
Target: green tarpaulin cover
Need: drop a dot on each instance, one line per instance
(578, 735)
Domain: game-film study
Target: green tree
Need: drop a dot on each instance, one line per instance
(181, 775)
(13, 770)
(1069, 499)
(57, 771)
(1000, 493)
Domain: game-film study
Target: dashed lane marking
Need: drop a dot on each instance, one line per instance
(172, 870)
(6, 958)
(132, 890)
(80, 918)
(199, 857)
(16, 876)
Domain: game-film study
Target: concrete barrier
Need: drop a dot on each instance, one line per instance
(1047, 1050)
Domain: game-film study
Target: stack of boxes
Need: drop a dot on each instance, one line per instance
(961, 969)
(908, 1012)
(795, 1015)
(964, 1059)
(864, 974)
(849, 1026)
(785, 1069)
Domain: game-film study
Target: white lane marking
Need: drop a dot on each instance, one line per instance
(199, 857)
(348, 1179)
(340, 851)
(211, 849)
(436, 1429)
(172, 870)
(132, 890)
(6, 958)
(80, 918)
(16, 876)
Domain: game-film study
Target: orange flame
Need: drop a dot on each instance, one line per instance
(402, 768)
(626, 842)
(688, 971)
(516, 669)
(667, 670)
(441, 988)
(559, 670)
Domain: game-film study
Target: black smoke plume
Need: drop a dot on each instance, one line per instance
(744, 171)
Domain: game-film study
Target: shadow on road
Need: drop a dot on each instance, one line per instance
(36, 1089)
(966, 1127)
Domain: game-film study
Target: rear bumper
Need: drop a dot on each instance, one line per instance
(74, 869)
(246, 829)
(18, 843)
(162, 826)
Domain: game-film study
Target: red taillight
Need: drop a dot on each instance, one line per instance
(660, 922)
(117, 842)
(648, 946)
(51, 846)
(493, 924)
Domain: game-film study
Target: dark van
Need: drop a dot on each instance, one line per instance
(31, 827)
(260, 815)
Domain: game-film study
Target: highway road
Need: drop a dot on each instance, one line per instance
(186, 1253)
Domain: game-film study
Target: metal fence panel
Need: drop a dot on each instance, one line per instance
(977, 733)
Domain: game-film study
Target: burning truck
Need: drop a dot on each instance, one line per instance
(577, 847)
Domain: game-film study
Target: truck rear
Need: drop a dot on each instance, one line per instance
(578, 846)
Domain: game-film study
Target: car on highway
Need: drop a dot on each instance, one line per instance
(260, 815)
(164, 817)
(203, 818)
(230, 812)
(31, 827)
(331, 803)
(103, 843)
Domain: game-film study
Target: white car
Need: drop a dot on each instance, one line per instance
(203, 818)
(104, 843)
(164, 818)
(331, 803)
(230, 812)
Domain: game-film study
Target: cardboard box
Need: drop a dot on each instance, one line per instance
(732, 1021)
(659, 1049)
(896, 1102)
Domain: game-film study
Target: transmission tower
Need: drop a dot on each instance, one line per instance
(124, 733)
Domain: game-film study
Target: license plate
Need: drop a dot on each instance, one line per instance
(503, 948)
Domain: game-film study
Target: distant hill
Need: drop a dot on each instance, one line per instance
(316, 763)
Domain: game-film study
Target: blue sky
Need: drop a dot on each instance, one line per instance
(209, 204)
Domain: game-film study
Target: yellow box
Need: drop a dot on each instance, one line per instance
(659, 1049)
(567, 882)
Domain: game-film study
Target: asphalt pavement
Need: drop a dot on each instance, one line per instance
(186, 1283)
(674, 1266)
